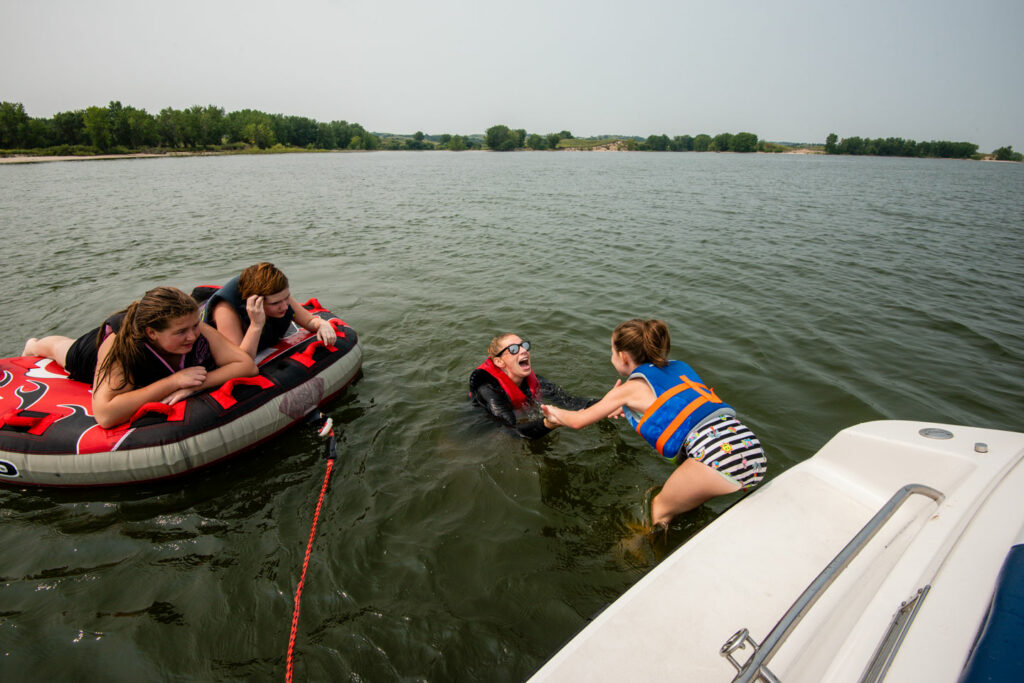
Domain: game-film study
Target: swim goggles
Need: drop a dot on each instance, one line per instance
(514, 349)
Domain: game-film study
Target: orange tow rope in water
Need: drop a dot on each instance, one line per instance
(332, 452)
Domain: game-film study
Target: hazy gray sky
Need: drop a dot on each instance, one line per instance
(789, 70)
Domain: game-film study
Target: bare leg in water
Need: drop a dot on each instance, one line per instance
(691, 484)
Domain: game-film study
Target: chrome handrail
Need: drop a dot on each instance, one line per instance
(755, 667)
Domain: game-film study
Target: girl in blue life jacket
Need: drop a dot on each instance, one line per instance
(681, 417)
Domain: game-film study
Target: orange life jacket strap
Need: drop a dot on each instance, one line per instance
(707, 395)
(677, 422)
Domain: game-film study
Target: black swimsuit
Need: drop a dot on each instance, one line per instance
(81, 359)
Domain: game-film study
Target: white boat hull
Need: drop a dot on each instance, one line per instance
(747, 568)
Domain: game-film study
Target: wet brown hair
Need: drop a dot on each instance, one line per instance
(646, 341)
(156, 309)
(495, 346)
(262, 279)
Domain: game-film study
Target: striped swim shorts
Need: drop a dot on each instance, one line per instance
(728, 446)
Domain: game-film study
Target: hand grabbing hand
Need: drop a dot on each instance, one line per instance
(551, 415)
(190, 378)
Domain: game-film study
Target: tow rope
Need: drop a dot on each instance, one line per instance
(326, 431)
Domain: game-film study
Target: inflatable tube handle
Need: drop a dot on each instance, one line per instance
(338, 324)
(224, 397)
(306, 357)
(175, 413)
(314, 305)
(36, 424)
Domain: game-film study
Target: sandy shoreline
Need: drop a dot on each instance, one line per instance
(141, 155)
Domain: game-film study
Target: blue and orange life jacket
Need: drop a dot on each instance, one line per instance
(682, 402)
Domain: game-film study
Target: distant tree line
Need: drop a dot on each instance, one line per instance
(898, 147)
(723, 142)
(420, 141)
(501, 138)
(117, 127)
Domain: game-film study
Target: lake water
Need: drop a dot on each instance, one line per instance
(812, 292)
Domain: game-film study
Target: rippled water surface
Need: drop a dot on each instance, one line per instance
(812, 292)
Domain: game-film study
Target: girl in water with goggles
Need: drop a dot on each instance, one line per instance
(506, 386)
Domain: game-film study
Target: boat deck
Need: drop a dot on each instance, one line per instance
(748, 568)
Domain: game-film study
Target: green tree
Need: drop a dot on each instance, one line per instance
(500, 138)
(68, 128)
(39, 133)
(96, 122)
(853, 145)
(325, 138)
(13, 120)
(457, 143)
(1007, 154)
(657, 143)
(535, 141)
(367, 140)
(417, 141)
(830, 144)
(340, 135)
(682, 143)
(744, 142)
(133, 128)
(169, 127)
(209, 125)
(296, 131)
(260, 134)
(721, 143)
(701, 143)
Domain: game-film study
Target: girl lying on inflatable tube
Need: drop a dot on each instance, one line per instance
(156, 350)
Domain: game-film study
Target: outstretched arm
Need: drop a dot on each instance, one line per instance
(552, 393)
(318, 326)
(231, 362)
(622, 394)
(112, 406)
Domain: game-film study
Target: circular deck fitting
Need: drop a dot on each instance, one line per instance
(936, 433)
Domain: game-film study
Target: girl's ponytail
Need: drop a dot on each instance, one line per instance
(646, 341)
(126, 349)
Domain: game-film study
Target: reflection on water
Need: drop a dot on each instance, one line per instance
(813, 293)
